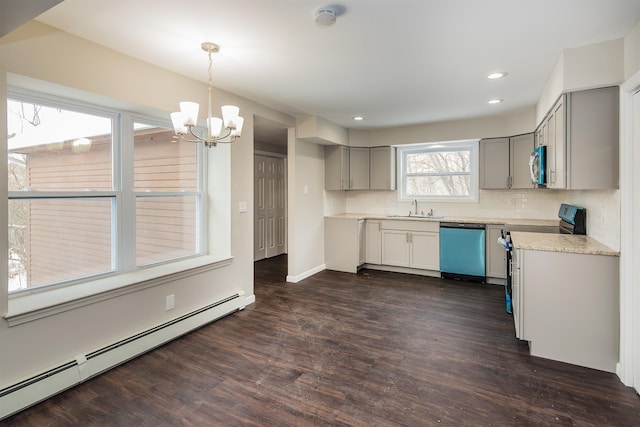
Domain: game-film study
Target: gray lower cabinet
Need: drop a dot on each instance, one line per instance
(411, 244)
(344, 244)
(373, 245)
(496, 260)
(567, 306)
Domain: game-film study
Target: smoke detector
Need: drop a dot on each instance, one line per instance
(325, 16)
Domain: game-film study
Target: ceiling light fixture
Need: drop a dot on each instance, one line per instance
(495, 101)
(497, 75)
(358, 118)
(185, 121)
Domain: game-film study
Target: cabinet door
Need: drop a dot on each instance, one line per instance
(336, 167)
(362, 241)
(395, 248)
(517, 288)
(496, 254)
(373, 249)
(359, 168)
(556, 146)
(592, 130)
(382, 171)
(425, 250)
(520, 149)
(494, 163)
(341, 244)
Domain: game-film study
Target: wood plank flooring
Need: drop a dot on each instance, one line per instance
(338, 349)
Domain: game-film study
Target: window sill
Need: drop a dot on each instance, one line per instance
(30, 307)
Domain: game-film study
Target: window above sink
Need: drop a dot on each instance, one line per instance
(439, 171)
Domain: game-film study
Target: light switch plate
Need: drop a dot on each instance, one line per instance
(242, 207)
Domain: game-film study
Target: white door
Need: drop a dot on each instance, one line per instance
(260, 210)
(270, 225)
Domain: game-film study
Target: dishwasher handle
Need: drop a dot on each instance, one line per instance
(470, 225)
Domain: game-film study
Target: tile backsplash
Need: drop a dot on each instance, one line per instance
(603, 207)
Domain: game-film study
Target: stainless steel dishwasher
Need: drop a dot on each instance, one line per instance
(462, 251)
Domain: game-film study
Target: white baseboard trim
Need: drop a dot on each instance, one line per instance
(308, 273)
(251, 299)
(43, 385)
(420, 272)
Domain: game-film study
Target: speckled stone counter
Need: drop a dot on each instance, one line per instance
(473, 220)
(566, 243)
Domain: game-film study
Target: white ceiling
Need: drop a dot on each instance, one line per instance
(395, 62)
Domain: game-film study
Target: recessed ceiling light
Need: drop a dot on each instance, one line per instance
(497, 75)
(358, 118)
(495, 101)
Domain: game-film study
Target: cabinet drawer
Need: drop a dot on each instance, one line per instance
(410, 225)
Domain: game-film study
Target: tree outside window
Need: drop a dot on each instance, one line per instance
(438, 171)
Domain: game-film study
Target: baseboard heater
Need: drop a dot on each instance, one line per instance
(32, 390)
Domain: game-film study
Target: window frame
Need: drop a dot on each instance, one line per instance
(471, 145)
(125, 270)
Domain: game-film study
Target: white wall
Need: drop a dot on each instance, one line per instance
(632, 52)
(306, 190)
(485, 127)
(584, 67)
(44, 53)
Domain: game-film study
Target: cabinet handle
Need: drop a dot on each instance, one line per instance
(407, 238)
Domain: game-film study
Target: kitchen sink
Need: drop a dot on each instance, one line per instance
(415, 216)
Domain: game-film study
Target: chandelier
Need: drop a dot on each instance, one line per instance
(185, 121)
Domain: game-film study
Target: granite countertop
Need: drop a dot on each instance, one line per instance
(472, 220)
(550, 242)
(567, 243)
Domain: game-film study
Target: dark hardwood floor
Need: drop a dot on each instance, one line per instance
(372, 349)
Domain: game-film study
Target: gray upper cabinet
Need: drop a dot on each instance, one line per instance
(358, 168)
(581, 133)
(504, 162)
(494, 163)
(336, 167)
(593, 141)
(520, 149)
(383, 168)
(552, 134)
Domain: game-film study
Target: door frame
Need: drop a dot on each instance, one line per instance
(628, 369)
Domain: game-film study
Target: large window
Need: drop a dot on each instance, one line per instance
(94, 192)
(442, 171)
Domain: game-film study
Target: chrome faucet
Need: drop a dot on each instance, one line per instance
(430, 213)
(415, 202)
